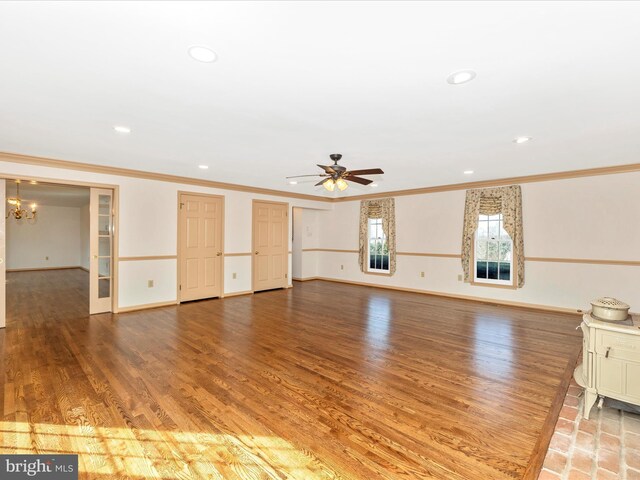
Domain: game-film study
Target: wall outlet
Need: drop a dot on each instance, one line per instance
(234, 275)
(341, 267)
(422, 274)
(459, 278)
(150, 283)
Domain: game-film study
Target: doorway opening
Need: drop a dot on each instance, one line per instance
(58, 242)
(304, 240)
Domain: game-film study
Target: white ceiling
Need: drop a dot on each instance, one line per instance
(296, 81)
(50, 195)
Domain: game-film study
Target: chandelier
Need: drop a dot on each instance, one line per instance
(17, 211)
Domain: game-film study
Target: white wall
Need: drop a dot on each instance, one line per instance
(581, 218)
(148, 227)
(55, 233)
(85, 244)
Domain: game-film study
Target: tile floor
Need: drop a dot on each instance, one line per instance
(607, 446)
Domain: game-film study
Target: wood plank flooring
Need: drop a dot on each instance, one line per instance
(324, 380)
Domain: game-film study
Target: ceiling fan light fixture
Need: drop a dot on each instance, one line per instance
(341, 184)
(329, 184)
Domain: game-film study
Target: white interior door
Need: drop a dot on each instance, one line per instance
(101, 240)
(3, 270)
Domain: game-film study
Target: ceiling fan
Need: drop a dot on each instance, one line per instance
(335, 175)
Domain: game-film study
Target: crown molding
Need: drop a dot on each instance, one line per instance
(544, 177)
(163, 177)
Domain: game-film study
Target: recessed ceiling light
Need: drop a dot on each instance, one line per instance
(292, 182)
(461, 76)
(203, 54)
(121, 129)
(468, 172)
(374, 185)
(521, 139)
(203, 167)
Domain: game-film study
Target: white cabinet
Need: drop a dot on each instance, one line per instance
(610, 361)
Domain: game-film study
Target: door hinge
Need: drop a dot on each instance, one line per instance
(180, 287)
(286, 275)
(181, 205)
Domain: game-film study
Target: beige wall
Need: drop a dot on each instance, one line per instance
(51, 240)
(584, 218)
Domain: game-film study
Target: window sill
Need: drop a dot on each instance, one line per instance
(494, 285)
(380, 274)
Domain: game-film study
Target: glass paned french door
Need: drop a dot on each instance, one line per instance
(101, 267)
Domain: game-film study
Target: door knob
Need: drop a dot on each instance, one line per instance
(95, 256)
(257, 252)
(218, 254)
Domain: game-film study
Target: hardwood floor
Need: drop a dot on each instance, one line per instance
(324, 380)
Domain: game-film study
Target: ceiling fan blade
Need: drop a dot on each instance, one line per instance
(327, 169)
(321, 182)
(369, 171)
(360, 180)
(314, 175)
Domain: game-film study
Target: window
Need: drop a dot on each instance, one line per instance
(493, 252)
(378, 248)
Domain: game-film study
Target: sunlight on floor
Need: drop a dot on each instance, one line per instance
(143, 453)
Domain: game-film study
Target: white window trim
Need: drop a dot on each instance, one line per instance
(369, 269)
(491, 281)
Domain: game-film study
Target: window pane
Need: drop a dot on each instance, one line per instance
(104, 288)
(492, 270)
(492, 250)
(378, 248)
(483, 229)
(505, 251)
(481, 269)
(481, 249)
(104, 225)
(494, 229)
(505, 271)
(104, 246)
(104, 267)
(104, 204)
